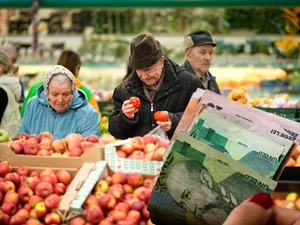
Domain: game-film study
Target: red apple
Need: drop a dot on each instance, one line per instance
(31, 182)
(23, 135)
(33, 221)
(135, 180)
(119, 215)
(94, 214)
(59, 188)
(157, 155)
(5, 220)
(127, 189)
(52, 201)
(47, 172)
(77, 221)
(11, 197)
(138, 143)
(24, 194)
(31, 148)
(106, 139)
(119, 178)
(150, 147)
(121, 154)
(64, 177)
(23, 212)
(32, 213)
(52, 218)
(36, 137)
(128, 148)
(138, 205)
(163, 143)
(33, 200)
(73, 143)
(40, 209)
(45, 144)
(17, 146)
(52, 179)
(7, 186)
(59, 146)
(27, 207)
(5, 168)
(137, 155)
(91, 138)
(134, 215)
(1, 197)
(17, 220)
(43, 152)
(99, 194)
(9, 208)
(32, 140)
(146, 213)
(23, 171)
(107, 202)
(148, 183)
(86, 145)
(13, 177)
(43, 189)
(34, 173)
(105, 222)
(46, 135)
(149, 138)
(66, 153)
(91, 200)
(76, 152)
(122, 206)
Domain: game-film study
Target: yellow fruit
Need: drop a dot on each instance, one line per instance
(291, 196)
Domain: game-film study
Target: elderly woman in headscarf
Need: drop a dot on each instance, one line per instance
(60, 108)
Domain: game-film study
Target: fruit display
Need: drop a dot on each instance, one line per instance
(73, 145)
(148, 147)
(31, 194)
(118, 199)
(291, 201)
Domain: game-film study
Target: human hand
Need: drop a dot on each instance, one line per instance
(128, 109)
(166, 126)
(259, 211)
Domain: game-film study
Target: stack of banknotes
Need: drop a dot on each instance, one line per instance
(221, 154)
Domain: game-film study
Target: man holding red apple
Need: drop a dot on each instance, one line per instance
(159, 83)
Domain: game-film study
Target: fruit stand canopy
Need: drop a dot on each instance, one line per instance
(147, 3)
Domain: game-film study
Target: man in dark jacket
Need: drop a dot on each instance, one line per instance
(199, 52)
(159, 83)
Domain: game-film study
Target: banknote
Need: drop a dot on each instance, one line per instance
(249, 148)
(199, 185)
(278, 126)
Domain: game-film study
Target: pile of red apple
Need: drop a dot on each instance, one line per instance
(30, 194)
(147, 147)
(291, 201)
(119, 199)
(44, 145)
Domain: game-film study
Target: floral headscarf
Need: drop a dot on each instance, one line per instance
(59, 70)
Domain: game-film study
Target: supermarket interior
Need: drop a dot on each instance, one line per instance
(102, 180)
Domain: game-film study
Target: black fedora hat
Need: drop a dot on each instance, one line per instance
(197, 38)
(144, 51)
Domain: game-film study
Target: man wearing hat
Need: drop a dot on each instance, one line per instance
(159, 83)
(10, 92)
(199, 51)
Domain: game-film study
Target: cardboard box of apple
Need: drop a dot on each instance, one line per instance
(73, 145)
(147, 147)
(291, 201)
(119, 199)
(31, 195)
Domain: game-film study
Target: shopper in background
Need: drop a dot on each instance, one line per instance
(259, 211)
(60, 108)
(71, 60)
(158, 82)
(199, 52)
(10, 92)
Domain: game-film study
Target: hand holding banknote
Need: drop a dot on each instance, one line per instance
(258, 210)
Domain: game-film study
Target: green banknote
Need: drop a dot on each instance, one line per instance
(199, 185)
(249, 148)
